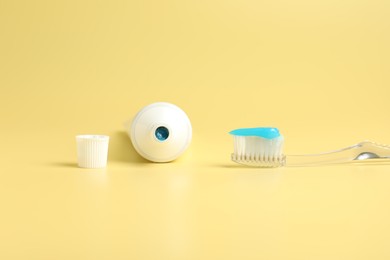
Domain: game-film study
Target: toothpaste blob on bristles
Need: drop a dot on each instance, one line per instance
(260, 146)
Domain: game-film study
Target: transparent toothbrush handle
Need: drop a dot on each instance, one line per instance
(363, 151)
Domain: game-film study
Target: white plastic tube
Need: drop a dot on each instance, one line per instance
(160, 132)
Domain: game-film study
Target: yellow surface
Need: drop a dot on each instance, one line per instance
(317, 70)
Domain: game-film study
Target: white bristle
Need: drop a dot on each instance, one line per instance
(258, 151)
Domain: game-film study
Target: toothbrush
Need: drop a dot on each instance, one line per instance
(263, 147)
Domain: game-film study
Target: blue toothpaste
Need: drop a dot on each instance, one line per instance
(264, 132)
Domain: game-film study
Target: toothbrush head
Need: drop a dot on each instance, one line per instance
(258, 147)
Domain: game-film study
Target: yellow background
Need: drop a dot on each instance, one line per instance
(317, 70)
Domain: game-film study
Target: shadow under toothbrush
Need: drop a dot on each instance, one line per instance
(240, 166)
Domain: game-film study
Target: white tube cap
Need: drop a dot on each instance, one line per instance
(92, 151)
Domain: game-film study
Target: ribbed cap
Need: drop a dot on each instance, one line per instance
(92, 150)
